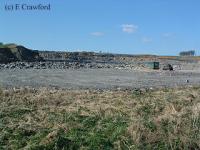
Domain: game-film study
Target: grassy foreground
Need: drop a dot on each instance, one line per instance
(64, 119)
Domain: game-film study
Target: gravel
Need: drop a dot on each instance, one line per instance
(87, 78)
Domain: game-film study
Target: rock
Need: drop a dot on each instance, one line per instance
(13, 53)
(62, 65)
(6, 55)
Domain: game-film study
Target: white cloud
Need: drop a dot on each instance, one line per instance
(97, 33)
(167, 35)
(129, 28)
(146, 40)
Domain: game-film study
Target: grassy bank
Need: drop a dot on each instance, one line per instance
(60, 119)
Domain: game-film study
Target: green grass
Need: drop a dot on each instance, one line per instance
(9, 45)
(64, 119)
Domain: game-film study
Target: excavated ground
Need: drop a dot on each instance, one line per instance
(103, 78)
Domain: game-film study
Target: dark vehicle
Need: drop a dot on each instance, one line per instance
(168, 67)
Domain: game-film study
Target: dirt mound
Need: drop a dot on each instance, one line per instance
(6, 55)
(18, 53)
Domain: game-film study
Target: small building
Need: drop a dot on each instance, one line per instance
(187, 53)
(153, 65)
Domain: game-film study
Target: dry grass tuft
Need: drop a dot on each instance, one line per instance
(70, 119)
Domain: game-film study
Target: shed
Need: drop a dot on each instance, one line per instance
(153, 65)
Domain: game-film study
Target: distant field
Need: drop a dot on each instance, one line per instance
(71, 119)
(180, 58)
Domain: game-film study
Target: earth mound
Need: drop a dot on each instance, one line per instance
(12, 52)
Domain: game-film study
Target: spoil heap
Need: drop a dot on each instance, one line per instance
(12, 53)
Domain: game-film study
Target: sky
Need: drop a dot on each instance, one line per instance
(161, 27)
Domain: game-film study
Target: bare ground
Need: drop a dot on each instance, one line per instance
(97, 78)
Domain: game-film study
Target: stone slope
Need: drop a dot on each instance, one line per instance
(13, 53)
(6, 55)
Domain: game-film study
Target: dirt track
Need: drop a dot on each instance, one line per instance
(96, 78)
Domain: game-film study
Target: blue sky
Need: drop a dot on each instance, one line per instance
(163, 27)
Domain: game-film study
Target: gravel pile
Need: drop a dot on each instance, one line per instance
(64, 65)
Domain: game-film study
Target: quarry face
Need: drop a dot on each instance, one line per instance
(21, 67)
